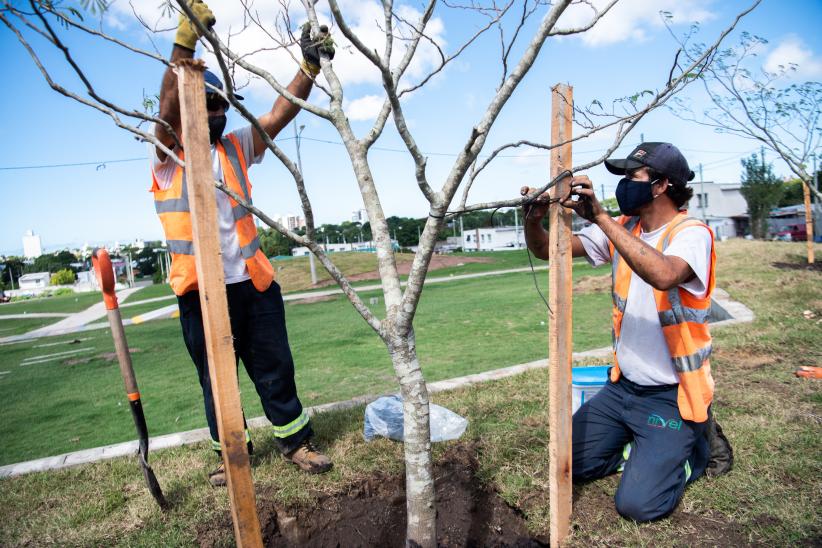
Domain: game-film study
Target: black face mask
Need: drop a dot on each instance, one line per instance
(216, 125)
(632, 195)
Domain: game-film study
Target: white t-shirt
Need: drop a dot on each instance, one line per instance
(233, 263)
(642, 352)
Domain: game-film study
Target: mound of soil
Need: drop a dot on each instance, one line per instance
(815, 267)
(372, 512)
(404, 267)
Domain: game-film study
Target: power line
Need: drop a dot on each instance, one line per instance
(102, 163)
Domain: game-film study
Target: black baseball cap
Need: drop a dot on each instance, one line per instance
(663, 157)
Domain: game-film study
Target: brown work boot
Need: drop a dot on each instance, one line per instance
(217, 476)
(309, 459)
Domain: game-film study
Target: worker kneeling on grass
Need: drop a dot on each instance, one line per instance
(652, 420)
(254, 300)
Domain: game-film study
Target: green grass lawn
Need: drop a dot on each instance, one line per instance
(64, 303)
(295, 274)
(18, 326)
(771, 498)
(462, 327)
(150, 292)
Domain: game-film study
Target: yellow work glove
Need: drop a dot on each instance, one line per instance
(187, 31)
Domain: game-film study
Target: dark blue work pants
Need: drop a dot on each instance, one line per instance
(261, 342)
(666, 452)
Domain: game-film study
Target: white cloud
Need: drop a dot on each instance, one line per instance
(364, 17)
(631, 19)
(791, 51)
(364, 108)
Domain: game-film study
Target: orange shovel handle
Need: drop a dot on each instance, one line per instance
(105, 277)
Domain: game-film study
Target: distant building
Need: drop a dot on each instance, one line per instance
(290, 221)
(359, 216)
(493, 239)
(294, 222)
(336, 248)
(32, 247)
(36, 280)
(721, 206)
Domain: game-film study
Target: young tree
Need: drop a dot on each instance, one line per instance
(522, 31)
(762, 191)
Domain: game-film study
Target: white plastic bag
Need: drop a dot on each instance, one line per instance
(383, 417)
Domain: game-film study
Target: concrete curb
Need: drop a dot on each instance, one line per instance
(735, 311)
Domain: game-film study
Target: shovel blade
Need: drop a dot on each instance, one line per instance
(153, 484)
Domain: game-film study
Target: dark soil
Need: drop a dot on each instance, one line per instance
(372, 512)
(815, 267)
(404, 267)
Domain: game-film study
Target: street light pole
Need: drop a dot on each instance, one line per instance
(297, 135)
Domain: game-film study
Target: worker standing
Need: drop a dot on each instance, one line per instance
(652, 420)
(254, 301)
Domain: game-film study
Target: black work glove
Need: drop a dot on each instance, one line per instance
(313, 48)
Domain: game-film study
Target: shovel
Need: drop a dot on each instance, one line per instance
(105, 277)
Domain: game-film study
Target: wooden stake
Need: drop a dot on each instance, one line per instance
(219, 344)
(808, 220)
(560, 326)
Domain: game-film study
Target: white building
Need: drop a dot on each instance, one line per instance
(359, 216)
(336, 248)
(722, 206)
(290, 221)
(32, 247)
(36, 280)
(493, 239)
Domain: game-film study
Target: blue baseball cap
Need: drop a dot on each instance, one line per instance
(663, 157)
(214, 80)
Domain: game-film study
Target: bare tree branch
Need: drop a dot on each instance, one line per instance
(112, 113)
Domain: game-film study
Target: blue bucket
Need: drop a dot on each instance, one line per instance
(585, 382)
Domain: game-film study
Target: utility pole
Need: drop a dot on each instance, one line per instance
(762, 151)
(703, 197)
(516, 226)
(297, 135)
(602, 190)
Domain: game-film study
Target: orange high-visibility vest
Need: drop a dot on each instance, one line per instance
(173, 209)
(684, 321)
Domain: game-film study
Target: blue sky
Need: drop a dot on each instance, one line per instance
(109, 201)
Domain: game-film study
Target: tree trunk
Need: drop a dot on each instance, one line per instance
(419, 477)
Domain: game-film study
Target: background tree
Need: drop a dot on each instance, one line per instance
(273, 243)
(752, 102)
(521, 31)
(762, 191)
(63, 277)
(791, 193)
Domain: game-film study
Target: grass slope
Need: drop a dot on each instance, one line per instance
(64, 303)
(772, 497)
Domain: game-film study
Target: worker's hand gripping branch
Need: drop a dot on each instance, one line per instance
(187, 31)
(314, 47)
(581, 199)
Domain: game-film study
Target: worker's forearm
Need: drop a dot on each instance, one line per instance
(169, 97)
(536, 238)
(649, 264)
(284, 110)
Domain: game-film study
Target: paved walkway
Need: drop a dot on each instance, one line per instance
(728, 313)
